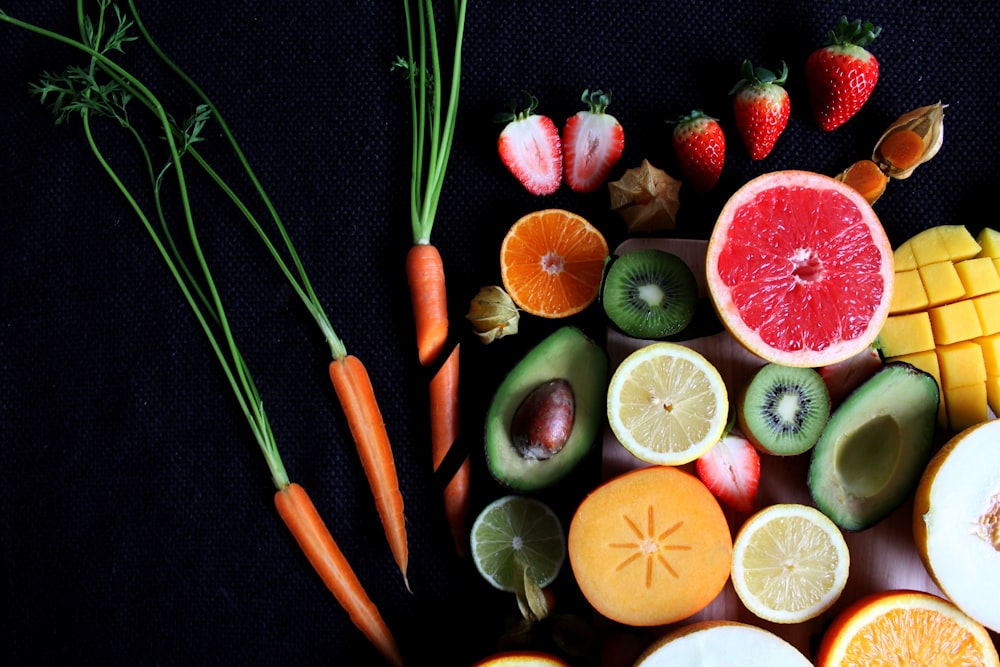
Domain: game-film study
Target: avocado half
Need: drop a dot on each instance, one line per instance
(875, 446)
(567, 353)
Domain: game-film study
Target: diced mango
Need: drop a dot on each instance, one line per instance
(902, 257)
(988, 309)
(993, 393)
(927, 361)
(929, 247)
(989, 242)
(959, 242)
(978, 275)
(990, 346)
(941, 283)
(906, 333)
(907, 292)
(956, 321)
(961, 364)
(966, 405)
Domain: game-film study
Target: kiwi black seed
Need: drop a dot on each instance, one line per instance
(783, 409)
(649, 293)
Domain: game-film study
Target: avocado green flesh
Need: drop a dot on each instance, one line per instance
(567, 353)
(875, 446)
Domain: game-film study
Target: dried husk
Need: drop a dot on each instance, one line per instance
(646, 198)
(928, 123)
(493, 314)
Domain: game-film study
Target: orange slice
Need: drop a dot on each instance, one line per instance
(905, 628)
(551, 262)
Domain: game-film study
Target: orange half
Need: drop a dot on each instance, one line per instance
(551, 262)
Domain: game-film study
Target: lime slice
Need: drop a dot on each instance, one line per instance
(667, 404)
(790, 563)
(516, 536)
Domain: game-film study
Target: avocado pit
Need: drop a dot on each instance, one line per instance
(543, 421)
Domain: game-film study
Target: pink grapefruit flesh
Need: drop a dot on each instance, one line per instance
(799, 269)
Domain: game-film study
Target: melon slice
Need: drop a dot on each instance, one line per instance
(722, 644)
(956, 521)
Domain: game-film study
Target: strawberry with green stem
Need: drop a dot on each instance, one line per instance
(761, 107)
(841, 76)
(700, 146)
(592, 143)
(530, 148)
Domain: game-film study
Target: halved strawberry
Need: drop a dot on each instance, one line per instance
(592, 142)
(845, 376)
(731, 471)
(530, 148)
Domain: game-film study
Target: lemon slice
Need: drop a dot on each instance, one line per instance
(667, 404)
(515, 536)
(790, 563)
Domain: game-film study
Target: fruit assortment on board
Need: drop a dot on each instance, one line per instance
(879, 366)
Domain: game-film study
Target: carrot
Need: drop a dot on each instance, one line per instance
(425, 275)
(314, 539)
(433, 118)
(353, 387)
(444, 433)
(91, 97)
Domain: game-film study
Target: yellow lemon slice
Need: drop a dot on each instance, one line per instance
(790, 563)
(667, 404)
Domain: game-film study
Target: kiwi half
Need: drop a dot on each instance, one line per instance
(783, 410)
(649, 293)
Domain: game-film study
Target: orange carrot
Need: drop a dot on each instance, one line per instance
(354, 390)
(425, 274)
(444, 432)
(299, 514)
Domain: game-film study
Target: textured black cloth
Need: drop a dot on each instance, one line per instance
(136, 515)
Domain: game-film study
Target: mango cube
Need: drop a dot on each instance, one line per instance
(961, 364)
(988, 309)
(903, 259)
(906, 333)
(941, 283)
(989, 242)
(928, 247)
(978, 275)
(990, 346)
(959, 242)
(956, 321)
(967, 406)
(907, 292)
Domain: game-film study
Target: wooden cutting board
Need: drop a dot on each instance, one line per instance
(883, 557)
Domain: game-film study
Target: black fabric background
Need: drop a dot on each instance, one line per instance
(136, 515)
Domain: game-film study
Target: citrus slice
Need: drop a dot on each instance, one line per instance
(650, 546)
(667, 404)
(516, 536)
(528, 658)
(790, 563)
(551, 262)
(800, 269)
(905, 628)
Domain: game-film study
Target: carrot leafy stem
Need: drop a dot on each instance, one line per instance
(433, 116)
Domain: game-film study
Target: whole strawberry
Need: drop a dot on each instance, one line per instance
(700, 146)
(761, 107)
(841, 75)
(530, 148)
(592, 141)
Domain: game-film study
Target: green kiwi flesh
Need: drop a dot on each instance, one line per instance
(649, 293)
(783, 409)
(875, 447)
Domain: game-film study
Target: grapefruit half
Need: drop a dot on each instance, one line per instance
(799, 269)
